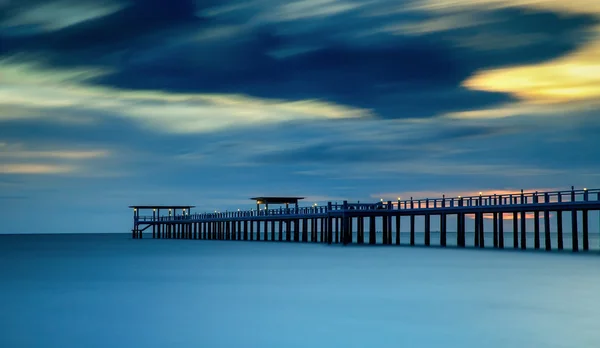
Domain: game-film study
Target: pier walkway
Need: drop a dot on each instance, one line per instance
(352, 222)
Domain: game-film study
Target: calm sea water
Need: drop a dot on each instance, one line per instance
(110, 291)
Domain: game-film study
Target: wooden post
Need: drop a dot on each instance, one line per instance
(584, 222)
(153, 223)
(427, 229)
(273, 230)
(135, 225)
(251, 232)
(346, 238)
(372, 231)
(384, 223)
(515, 230)
(477, 233)
(362, 239)
(412, 229)
(523, 230)
(458, 229)
(389, 223)
(398, 227)
(501, 230)
(329, 224)
(258, 230)
(481, 231)
(266, 233)
(288, 230)
(443, 222)
(304, 230)
(536, 229)
(574, 230)
(547, 239)
(280, 230)
(495, 229)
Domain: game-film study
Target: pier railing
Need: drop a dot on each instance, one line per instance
(522, 198)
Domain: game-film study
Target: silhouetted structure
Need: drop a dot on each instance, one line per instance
(334, 223)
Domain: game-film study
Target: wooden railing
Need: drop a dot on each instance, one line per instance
(521, 198)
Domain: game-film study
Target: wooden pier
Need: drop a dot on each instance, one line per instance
(336, 223)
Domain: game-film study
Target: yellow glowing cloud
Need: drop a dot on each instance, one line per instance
(32, 168)
(20, 159)
(575, 77)
(571, 78)
(70, 155)
(28, 86)
(572, 6)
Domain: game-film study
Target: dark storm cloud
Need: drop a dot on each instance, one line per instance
(92, 42)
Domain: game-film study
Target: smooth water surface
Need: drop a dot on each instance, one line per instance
(110, 291)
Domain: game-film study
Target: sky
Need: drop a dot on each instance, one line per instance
(104, 104)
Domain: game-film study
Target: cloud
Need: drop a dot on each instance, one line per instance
(22, 159)
(72, 155)
(55, 15)
(187, 113)
(30, 168)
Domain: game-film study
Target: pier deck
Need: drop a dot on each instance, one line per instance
(334, 223)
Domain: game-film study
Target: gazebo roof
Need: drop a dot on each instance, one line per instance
(276, 200)
(162, 206)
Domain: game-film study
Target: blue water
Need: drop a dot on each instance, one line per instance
(110, 291)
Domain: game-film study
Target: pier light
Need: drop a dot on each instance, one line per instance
(398, 198)
(459, 196)
(381, 199)
(134, 210)
(585, 189)
(480, 193)
(238, 209)
(315, 204)
(153, 209)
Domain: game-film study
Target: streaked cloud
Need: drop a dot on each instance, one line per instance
(73, 155)
(163, 111)
(575, 77)
(31, 168)
(54, 15)
(300, 9)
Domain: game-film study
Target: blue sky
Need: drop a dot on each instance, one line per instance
(104, 104)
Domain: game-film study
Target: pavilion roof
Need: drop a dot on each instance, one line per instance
(276, 200)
